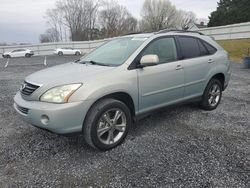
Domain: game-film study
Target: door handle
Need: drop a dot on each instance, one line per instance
(178, 67)
(210, 61)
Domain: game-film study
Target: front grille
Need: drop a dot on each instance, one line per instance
(22, 109)
(28, 88)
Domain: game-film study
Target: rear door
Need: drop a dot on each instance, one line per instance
(22, 52)
(197, 63)
(72, 51)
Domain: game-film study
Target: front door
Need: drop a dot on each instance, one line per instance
(162, 84)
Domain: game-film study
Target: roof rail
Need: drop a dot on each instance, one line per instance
(178, 31)
(133, 33)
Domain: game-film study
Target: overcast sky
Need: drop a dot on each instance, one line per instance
(22, 21)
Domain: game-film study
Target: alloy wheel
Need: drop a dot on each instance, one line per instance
(111, 126)
(214, 95)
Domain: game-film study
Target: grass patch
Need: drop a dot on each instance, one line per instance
(237, 48)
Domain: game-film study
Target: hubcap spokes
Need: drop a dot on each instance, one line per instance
(111, 126)
(214, 95)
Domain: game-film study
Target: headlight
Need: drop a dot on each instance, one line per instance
(59, 94)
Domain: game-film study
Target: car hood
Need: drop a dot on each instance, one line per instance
(66, 74)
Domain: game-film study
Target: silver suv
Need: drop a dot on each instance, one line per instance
(102, 93)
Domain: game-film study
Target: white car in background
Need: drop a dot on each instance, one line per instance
(23, 52)
(67, 51)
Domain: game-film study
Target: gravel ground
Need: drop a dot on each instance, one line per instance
(181, 146)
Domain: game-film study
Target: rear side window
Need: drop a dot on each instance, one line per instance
(211, 49)
(203, 50)
(189, 47)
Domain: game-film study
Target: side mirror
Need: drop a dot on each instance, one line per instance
(149, 60)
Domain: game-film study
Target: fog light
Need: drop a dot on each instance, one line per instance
(44, 119)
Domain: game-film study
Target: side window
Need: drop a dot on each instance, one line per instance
(210, 48)
(165, 48)
(203, 50)
(189, 47)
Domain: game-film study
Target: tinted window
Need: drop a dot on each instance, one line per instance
(210, 48)
(203, 50)
(189, 47)
(165, 48)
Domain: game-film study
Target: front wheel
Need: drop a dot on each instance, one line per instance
(77, 53)
(107, 124)
(60, 53)
(212, 95)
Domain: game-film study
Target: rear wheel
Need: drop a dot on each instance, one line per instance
(77, 53)
(27, 55)
(212, 95)
(107, 124)
(60, 53)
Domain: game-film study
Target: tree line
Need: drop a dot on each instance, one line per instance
(230, 12)
(80, 20)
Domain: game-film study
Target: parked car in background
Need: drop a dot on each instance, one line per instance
(23, 52)
(102, 93)
(67, 51)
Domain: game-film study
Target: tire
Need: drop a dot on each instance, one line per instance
(27, 55)
(96, 121)
(212, 95)
(77, 53)
(7, 56)
(60, 53)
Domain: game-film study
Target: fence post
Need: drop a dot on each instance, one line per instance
(38, 50)
(89, 46)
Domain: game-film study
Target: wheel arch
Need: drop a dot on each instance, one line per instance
(120, 96)
(221, 78)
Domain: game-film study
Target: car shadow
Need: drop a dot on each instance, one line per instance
(43, 143)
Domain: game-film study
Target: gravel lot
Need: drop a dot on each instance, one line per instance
(181, 146)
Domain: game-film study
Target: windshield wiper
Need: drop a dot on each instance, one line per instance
(94, 63)
(98, 63)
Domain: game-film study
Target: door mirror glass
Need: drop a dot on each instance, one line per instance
(149, 60)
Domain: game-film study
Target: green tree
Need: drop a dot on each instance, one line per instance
(230, 12)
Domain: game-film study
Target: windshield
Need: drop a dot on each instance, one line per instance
(115, 52)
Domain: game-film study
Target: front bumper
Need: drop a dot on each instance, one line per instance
(58, 118)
